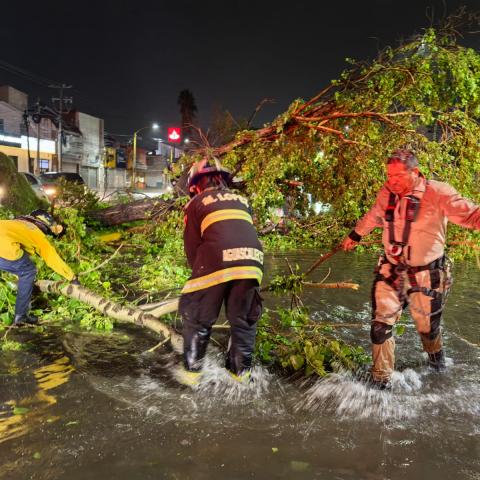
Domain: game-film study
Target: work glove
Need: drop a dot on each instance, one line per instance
(74, 281)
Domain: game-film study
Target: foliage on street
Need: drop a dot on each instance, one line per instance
(150, 266)
(331, 150)
(289, 338)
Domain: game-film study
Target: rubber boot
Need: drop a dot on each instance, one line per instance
(436, 361)
(195, 349)
(239, 364)
(381, 384)
(21, 320)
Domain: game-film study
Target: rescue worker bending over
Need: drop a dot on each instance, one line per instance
(413, 213)
(20, 238)
(226, 258)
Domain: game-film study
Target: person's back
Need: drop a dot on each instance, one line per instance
(20, 238)
(226, 258)
(220, 238)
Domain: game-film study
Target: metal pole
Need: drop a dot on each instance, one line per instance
(25, 116)
(134, 159)
(61, 100)
(60, 133)
(36, 169)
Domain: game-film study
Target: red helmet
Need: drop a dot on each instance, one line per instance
(202, 168)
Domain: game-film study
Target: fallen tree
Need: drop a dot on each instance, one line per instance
(422, 95)
(144, 209)
(145, 318)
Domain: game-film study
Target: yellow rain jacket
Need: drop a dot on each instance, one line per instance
(17, 236)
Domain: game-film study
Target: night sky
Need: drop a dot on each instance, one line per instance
(128, 60)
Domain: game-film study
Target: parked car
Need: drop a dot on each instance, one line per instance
(36, 185)
(50, 181)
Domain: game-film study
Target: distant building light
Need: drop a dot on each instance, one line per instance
(46, 146)
(10, 139)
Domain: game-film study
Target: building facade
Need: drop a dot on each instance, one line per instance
(31, 146)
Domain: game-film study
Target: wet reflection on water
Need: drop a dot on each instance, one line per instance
(121, 415)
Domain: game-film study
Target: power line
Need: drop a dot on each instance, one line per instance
(45, 82)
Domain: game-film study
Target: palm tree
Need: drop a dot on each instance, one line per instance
(188, 109)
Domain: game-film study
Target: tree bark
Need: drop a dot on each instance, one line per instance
(114, 310)
(129, 212)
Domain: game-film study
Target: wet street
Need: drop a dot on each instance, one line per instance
(83, 406)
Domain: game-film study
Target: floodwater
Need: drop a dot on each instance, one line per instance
(82, 406)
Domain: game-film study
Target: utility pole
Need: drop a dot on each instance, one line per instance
(60, 110)
(36, 169)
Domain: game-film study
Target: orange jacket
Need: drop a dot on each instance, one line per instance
(439, 204)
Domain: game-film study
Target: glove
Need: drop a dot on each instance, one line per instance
(74, 281)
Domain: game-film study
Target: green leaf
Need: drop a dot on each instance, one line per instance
(297, 361)
(399, 329)
(20, 410)
(73, 422)
(298, 466)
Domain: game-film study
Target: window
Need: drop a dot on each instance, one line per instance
(2, 125)
(43, 165)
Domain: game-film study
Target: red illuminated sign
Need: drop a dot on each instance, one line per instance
(174, 135)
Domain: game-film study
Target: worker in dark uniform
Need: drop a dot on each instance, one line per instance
(20, 238)
(226, 258)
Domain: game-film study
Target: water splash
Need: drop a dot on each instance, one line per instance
(413, 393)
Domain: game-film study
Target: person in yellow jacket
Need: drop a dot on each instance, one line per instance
(20, 238)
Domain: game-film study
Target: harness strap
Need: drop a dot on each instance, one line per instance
(413, 206)
(390, 217)
(426, 291)
(437, 264)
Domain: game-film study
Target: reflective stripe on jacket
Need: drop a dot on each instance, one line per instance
(439, 204)
(220, 241)
(17, 236)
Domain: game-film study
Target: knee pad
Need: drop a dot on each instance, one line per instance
(380, 332)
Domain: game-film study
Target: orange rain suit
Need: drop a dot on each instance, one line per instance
(421, 264)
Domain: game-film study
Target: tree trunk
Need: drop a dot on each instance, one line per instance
(129, 212)
(129, 314)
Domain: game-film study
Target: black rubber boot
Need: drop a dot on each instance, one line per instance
(21, 320)
(381, 385)
(436, 361)
(195, 350)
(238, 360)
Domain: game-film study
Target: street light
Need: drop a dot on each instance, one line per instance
(154, 126)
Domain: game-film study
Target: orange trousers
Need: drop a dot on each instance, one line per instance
(388, 301)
